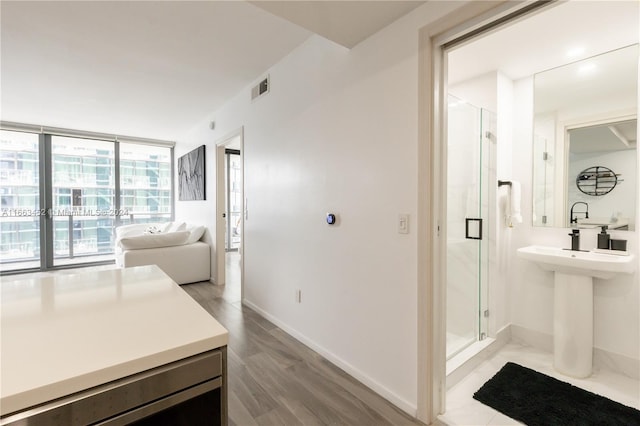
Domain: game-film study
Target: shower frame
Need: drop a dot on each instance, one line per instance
(470, 219)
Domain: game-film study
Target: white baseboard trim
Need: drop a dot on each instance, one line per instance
(611, 361)
(458, 369)
(534, 338)
(381, 390)
(615, 362)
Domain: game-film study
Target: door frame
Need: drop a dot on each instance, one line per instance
(220, 243)
(465, 23)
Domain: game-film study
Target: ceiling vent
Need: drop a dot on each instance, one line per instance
(260, 89)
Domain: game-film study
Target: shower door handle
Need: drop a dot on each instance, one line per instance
(473, 228)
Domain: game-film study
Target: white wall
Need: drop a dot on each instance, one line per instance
(200, 212)
(616, 301)
(480, 91)
(499, 296)
(337, 133)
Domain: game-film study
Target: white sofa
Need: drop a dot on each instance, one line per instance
(175, 247)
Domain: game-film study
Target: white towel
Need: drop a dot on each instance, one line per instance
(514, 215)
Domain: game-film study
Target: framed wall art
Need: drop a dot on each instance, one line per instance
(191, 175)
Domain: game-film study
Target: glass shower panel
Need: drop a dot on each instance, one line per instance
(543, 173)
(488, 187)
(469, 136)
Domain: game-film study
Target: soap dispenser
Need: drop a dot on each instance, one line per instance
(603, 239)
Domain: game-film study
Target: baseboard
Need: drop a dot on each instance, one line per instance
(611, 361)
(615, 362)
(399, 402)
(477, 354)
(534, 338)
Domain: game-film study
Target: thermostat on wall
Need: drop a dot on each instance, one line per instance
(331, 218)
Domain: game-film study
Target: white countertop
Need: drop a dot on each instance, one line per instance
(597, 222)
(66, 333)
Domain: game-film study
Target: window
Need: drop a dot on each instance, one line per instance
(90, 195)
(145, 182)
(20, 197)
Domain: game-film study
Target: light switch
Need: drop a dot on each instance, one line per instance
(403, 224)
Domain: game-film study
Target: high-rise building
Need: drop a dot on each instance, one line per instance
(83, 207)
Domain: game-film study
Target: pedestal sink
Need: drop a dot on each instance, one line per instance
(573, 300)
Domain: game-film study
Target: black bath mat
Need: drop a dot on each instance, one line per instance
(536, 399)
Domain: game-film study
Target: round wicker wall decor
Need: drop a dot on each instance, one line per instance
(596, 181)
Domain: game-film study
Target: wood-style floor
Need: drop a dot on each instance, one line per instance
(276, 380)
(273, 378)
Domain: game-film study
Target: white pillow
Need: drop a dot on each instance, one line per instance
(176, 226)
(165, 226)
(167, 239)
(133, 229)
(195, 233)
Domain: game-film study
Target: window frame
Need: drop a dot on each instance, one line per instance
(46, 191)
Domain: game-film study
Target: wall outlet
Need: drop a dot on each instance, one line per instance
(299, 296)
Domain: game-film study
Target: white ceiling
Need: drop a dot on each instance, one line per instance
(554, 45)
(344, 22)
(611, 77)
(545, 40)
(606, 137)
(156, 68)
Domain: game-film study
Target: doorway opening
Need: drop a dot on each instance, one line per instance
(233, 199)
(230, 214)
(469, 63)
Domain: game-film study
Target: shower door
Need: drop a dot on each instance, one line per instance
(471, 131)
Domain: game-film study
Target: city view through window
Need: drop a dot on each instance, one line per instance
(80, 199)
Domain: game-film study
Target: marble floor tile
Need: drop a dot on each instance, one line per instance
(462, 409)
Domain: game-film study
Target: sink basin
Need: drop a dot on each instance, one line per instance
(573, 300)
(598, 265)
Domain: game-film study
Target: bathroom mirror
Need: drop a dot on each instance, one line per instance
(585, 119)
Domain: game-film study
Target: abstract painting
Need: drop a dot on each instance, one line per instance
(191, 178)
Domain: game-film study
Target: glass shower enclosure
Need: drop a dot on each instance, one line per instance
(470, 173)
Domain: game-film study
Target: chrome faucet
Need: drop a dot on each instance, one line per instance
(586, 212)
(575, 239)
